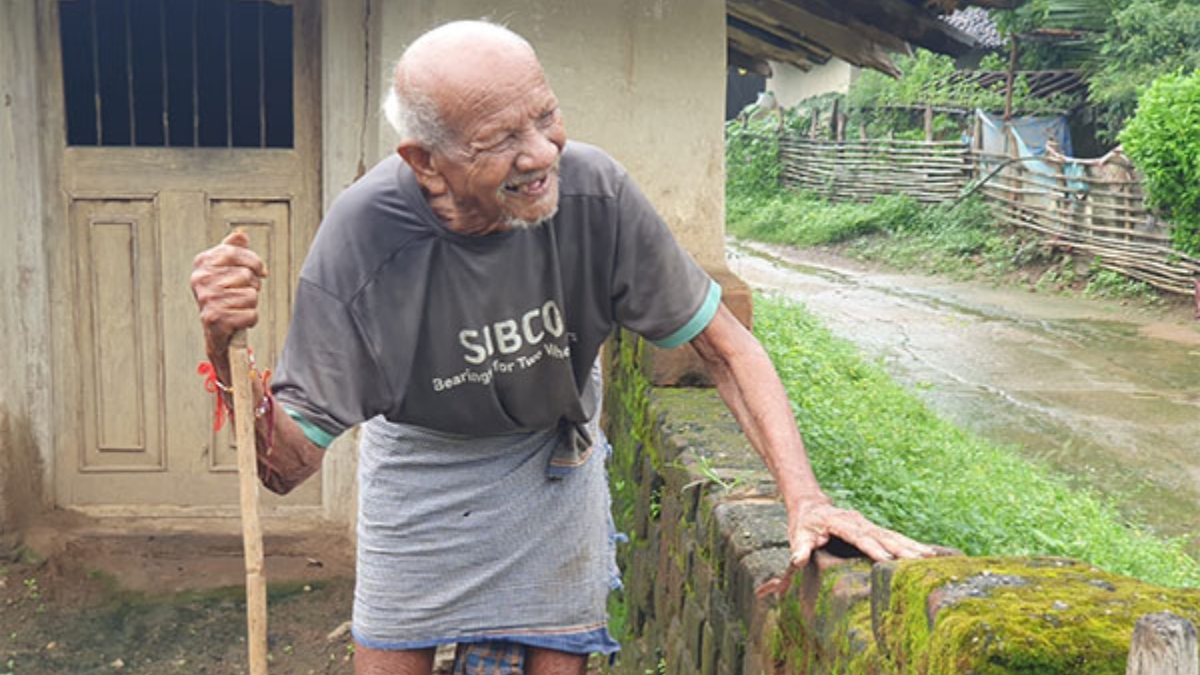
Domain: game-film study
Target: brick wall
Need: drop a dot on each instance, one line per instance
(705, 530)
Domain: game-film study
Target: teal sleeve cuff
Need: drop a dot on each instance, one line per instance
(697, 323)
(311, 431)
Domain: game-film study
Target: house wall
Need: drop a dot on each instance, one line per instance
(643, 80)
(24, 305)
(792, 85)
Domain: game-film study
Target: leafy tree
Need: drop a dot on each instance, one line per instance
(1147, 38)
(1055, 34)
(1163, 140)
(930, 79)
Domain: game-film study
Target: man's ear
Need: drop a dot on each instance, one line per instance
(420, 160)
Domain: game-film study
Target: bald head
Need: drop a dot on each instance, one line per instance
(442, 70)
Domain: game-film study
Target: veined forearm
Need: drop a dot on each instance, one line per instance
(756, 397)
(287, 458)
(747, 382)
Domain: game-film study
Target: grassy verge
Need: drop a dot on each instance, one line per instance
(878, 448)
(961, 241)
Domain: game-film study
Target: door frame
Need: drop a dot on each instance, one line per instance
(66, 415)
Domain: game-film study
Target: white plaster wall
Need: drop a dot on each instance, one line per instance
(350, 93)
(643, 79)
(25, 466)
(792, 85)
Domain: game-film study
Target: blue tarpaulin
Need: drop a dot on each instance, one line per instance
(1032, 133)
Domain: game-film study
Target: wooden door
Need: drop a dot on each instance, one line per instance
(136, 432)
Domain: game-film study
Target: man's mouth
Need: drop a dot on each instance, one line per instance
(534, 187)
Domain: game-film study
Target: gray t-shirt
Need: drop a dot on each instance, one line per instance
(397, 315)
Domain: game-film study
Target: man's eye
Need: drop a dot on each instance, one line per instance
(504, 144)
(496, 144)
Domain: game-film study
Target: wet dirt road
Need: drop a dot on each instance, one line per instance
(1107, 395)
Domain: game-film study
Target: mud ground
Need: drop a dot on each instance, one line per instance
(167, 597)
(162, 598)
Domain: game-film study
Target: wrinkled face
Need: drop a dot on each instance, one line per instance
(500, 169)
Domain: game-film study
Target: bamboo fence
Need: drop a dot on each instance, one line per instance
(1093, 206)
(930, 172)
(1101, 211)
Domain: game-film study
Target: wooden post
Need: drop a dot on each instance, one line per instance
(1009, 77)
(1062, 202)
(1014, 172)
(928, 123)
(252, 541)
(833, 121)
(1196, 297)
(1163, 644)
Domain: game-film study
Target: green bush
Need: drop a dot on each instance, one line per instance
(943, 238)
(752, 162)
(803, 219)
(1163, 140)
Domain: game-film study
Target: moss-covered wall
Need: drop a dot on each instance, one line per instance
(705, 530)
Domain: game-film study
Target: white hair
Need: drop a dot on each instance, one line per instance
(415, 116)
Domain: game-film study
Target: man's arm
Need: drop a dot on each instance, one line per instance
(225, 282)
(747, 381)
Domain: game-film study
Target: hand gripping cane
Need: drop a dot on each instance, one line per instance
(252, 540)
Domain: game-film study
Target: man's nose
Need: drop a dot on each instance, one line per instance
(538, 151)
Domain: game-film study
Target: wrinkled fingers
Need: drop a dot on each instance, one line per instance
(902, 547)
(238, 277)
(236, 256)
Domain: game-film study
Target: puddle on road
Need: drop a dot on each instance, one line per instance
(1109, 398)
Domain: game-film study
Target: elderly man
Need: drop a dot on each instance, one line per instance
(454, 301)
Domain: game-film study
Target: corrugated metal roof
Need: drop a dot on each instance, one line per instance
(976, 22)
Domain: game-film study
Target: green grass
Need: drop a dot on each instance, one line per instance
(1104, 283)
(960, 241)
(804, 220)
(879, 449)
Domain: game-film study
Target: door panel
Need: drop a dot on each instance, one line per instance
(117, 252)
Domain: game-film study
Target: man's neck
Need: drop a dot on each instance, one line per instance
(444, 207)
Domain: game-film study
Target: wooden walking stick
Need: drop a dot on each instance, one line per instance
(252, 540)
